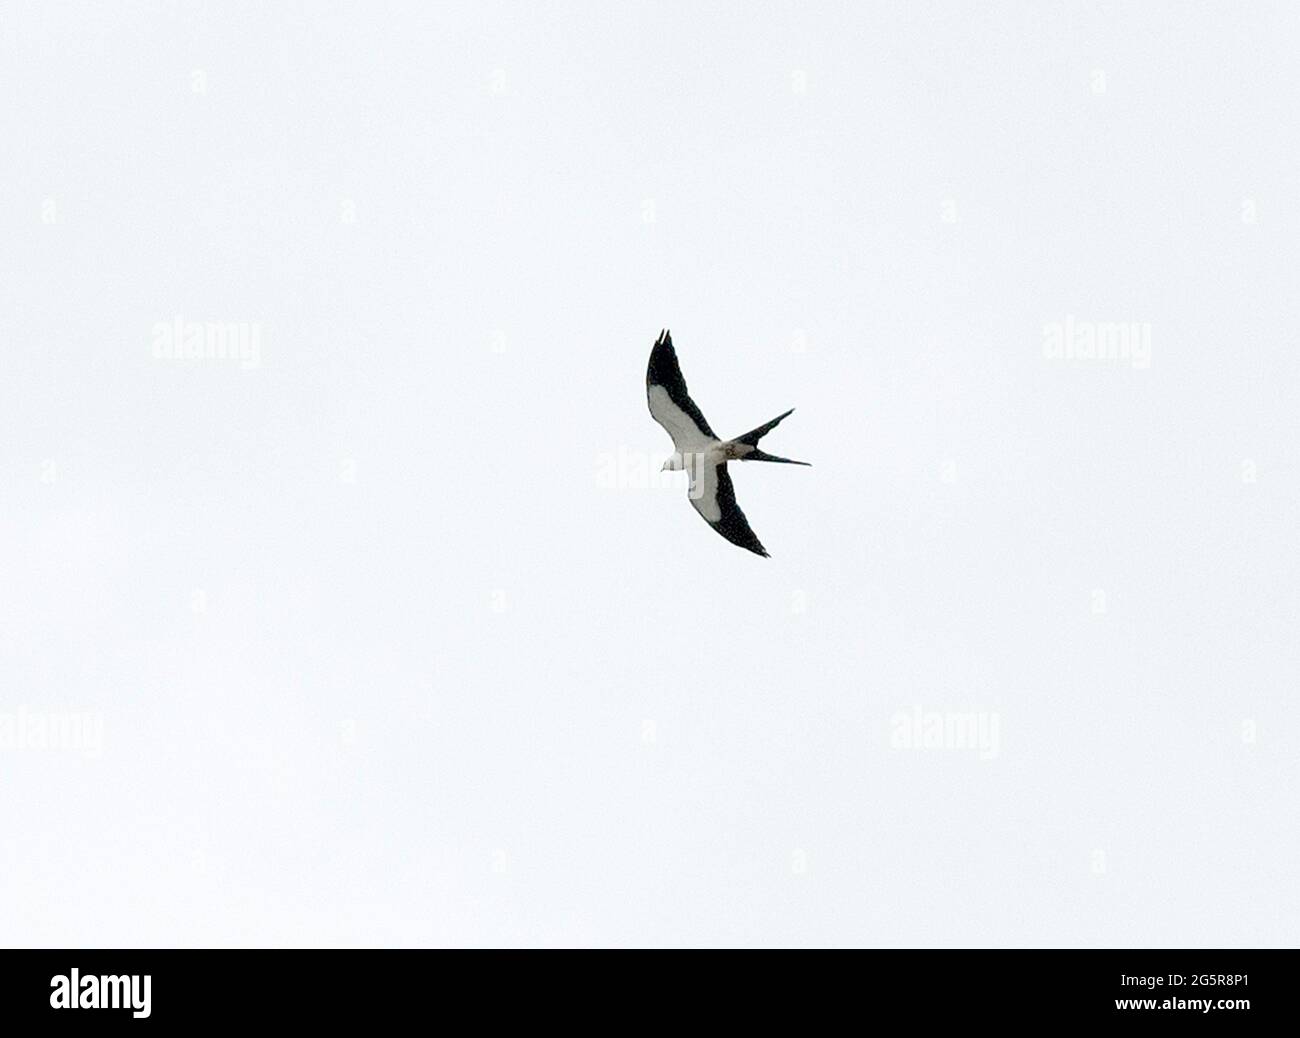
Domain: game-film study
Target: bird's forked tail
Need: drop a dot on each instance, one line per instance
(752, 437)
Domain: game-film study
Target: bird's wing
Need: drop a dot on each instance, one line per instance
(713, 496)
(670, 404)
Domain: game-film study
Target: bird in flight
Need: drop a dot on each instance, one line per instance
(698, 450)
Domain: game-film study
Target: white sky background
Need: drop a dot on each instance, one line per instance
(382, 658)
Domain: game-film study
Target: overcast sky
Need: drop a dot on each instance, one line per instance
(367, 625)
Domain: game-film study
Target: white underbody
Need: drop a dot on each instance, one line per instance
(699, 455)
(714, 454)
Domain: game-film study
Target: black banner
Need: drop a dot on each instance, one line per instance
(146, 989)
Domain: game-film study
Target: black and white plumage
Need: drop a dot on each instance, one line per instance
(699, 450)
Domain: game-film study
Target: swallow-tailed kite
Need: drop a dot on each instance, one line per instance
(698, 449)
